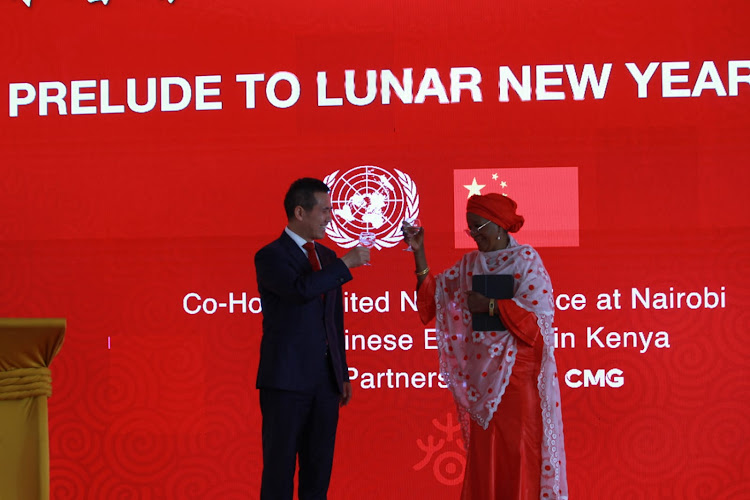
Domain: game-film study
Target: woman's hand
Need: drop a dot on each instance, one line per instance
(476, 302)
(415, 239)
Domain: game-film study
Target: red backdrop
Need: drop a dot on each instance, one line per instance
(126, 222)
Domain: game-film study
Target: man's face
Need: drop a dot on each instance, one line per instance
(315, 220)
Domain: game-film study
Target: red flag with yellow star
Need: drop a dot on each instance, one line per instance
(547, 198)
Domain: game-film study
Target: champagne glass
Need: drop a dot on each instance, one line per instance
(367, 239)
(411, 228)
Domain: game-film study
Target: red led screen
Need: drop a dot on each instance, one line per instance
(147, 147)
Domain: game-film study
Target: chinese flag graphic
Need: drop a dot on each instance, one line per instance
(547, 198)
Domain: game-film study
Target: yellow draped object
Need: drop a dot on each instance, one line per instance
(27, 347)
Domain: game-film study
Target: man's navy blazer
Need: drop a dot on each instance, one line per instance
(299, 325)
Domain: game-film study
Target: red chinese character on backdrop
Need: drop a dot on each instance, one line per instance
(449, 459)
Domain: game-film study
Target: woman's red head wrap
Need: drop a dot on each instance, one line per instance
(497, 208)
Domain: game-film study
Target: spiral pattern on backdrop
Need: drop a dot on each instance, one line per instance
(111, 486)
(69, 480)
(242, 460)
(732, 327)
(650, 445)
(209, 432)
(194, 479)
(579, 447)
(721, 428)
(686, 360)
(237, 395)
(706, 479)
(73, 439)
(67, 372)
(225, 344)
(140, 446)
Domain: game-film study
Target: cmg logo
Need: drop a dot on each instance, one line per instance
(576, 378)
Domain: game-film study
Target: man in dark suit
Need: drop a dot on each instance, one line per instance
(303, 376)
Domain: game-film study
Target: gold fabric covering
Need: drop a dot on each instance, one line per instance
(27, 347)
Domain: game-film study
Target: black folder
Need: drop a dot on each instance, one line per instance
(494, 286)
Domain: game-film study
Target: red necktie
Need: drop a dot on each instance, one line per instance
(314, 262)
(311, 255)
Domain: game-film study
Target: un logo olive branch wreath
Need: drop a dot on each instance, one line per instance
(393, 236)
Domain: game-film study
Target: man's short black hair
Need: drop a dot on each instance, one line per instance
(302, 194)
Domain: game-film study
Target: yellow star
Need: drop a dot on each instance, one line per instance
(503, 184)
(474, 188)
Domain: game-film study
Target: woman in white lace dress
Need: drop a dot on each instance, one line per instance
(504, 382)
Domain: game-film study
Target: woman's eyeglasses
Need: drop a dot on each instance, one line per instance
(474, 232)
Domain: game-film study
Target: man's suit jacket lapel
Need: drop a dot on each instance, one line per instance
(326, 257)
(295, 252)
(299, 256)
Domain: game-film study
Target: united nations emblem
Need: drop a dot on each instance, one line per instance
(370, 200)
